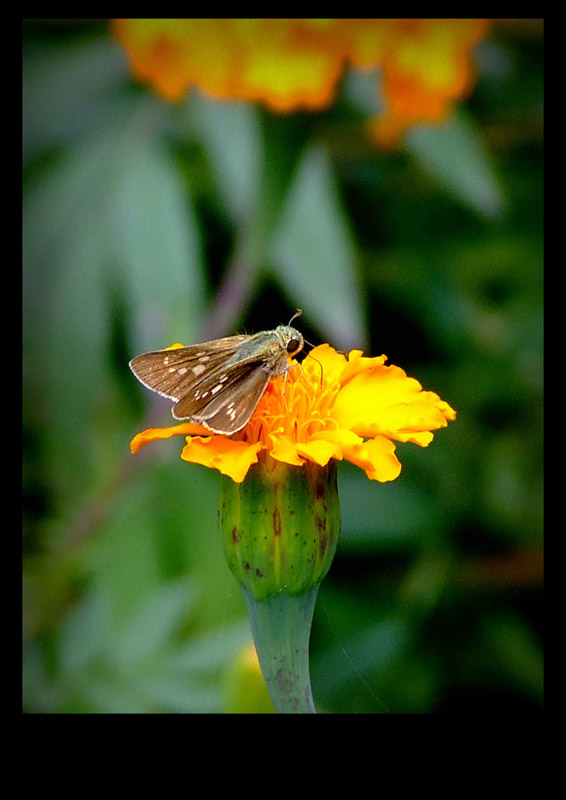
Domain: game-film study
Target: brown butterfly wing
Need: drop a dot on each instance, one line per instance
(225, 401)
(174, 373)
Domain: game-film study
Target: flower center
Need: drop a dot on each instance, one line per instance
(296, 404)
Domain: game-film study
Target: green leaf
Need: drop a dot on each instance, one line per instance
(69, 89)
(231, 136)
(111, 214)
(65, 309)
(313, 255)
(151, 627)
(455, 156)
(155, 241)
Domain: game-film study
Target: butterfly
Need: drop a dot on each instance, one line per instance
(219, 383)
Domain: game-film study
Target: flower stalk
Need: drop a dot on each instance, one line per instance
(279, 531)
(281, 625)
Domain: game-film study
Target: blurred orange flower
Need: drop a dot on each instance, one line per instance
(332, 406)
(425, 70)
(292, 64)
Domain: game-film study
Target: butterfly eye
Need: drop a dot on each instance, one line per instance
(293, 345)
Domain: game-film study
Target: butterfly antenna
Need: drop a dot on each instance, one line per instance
(298, 313)
(321, 368)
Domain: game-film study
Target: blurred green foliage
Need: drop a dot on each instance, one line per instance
(146, 223)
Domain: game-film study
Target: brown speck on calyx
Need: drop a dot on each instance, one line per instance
(276, 522)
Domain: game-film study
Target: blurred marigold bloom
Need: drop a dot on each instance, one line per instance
(332, 406)
(292, 64)
(424, 72)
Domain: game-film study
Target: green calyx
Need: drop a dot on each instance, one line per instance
(280, 526)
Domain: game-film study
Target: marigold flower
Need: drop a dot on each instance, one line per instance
(292, 64)
(424, 72)
(332, 406)
(279, 512)
(282, 62)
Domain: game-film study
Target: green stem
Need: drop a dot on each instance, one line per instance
(281, 625)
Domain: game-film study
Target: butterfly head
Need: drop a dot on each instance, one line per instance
(290, 338)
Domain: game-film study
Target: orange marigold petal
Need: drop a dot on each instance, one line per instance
(376, 457)
(296, 63)
(151, 434)
(404, 420)
(325, 364)
(319, 451)
(426, 68)
(233, 458)
(422, 438)
(171, 54)
(284, 450)
(339, 439)
(289, 64)
(357, 362)
(383, 400)
(366, 40)
(369, 390)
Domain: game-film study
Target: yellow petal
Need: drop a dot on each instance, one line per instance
(383, 400)
(377, 457)
(284, 450)
(340, 440)
(325, 363)
(150, 434)
(319, 451)
(230, 457)
(357, 362)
